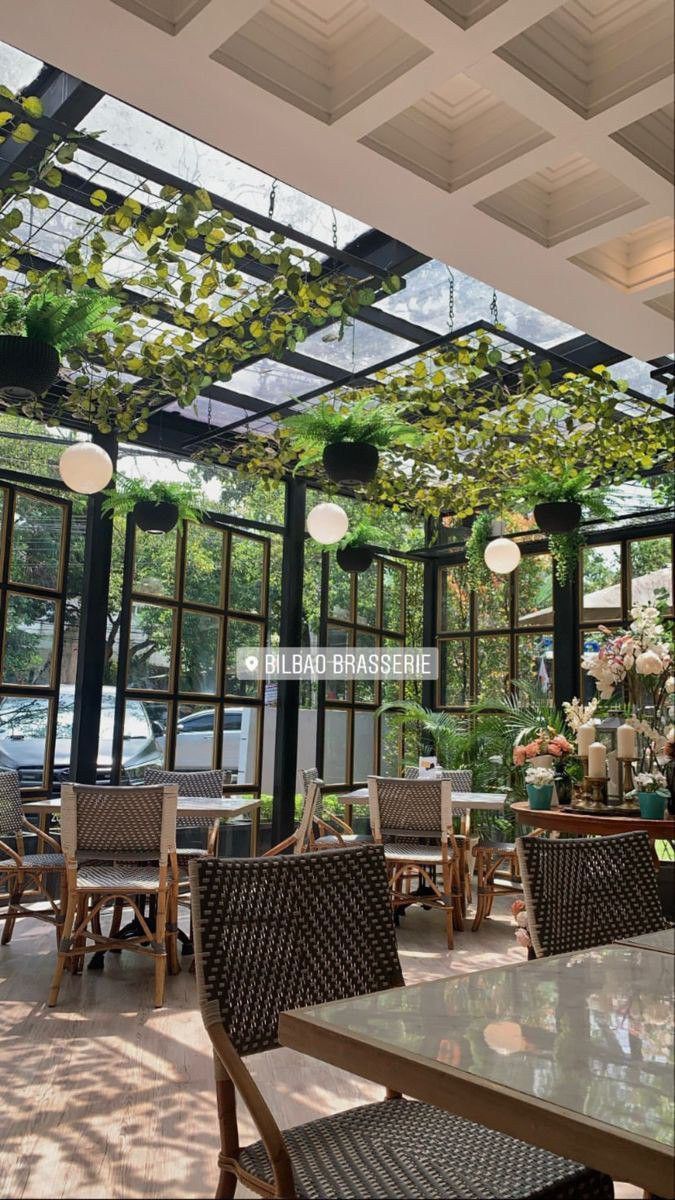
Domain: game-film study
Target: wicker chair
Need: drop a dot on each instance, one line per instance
(23, 876)
(336, 831)
(414, 819)
(586, 892)
(315, 928)
(301, 839)
(125, 838)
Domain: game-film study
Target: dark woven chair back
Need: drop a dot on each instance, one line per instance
(11, 813)
(311, 775)
(461, 779)
(189, 783)
(588, 891)
(409, 807)
(280, 933)
(118, 820)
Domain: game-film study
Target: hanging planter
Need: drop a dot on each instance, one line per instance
(157, 507)
(156, 516)
(33, 329)
(348, 440)
(351, 462)
(27, 367)
(557, 516)
(355, 558)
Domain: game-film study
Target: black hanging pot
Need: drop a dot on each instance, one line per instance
(557, 516)
(355, 558)
(156, 516)
(350, 462)
(27, 367)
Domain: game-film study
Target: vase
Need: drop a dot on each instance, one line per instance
(652, 805)
(541, 760)
(27, 367)
(540, 797)
(355, 558)
(350, 462)
(563, 787)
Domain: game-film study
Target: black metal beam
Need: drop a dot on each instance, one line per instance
(65, 101)
(565, 639)
(288, 690)
(429, 611)
(91, 646)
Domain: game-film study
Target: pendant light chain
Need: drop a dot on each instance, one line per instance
(272, 199)
(494, 308)
(451, 300)
(334, 229)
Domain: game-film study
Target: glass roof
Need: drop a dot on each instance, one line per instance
(142, 146)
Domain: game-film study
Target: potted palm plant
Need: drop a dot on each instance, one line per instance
(355, 551)
(348, 440)
(36, 329)
(157, 507)
(442, 734)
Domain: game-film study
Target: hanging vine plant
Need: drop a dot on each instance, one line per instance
(189, 311)
(477, 573)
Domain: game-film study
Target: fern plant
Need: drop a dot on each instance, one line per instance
(365, 420)
(129, 492)
(62, 321)
(565, 486)
(441, 733)
(363, 534)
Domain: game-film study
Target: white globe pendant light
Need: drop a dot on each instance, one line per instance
(85, 468)
(502, 556)
(327, 523)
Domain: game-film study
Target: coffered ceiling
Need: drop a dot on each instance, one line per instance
(525, 142)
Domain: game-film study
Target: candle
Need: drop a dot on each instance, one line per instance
(597, 761)
(585, 735)
(626, 742)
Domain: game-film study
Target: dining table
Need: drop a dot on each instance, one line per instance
(572, 1053)
(463, 803)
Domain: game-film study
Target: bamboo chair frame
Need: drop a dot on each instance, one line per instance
(403, 869)
(28, 883)
(82, 933)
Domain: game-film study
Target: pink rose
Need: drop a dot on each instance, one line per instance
(519, 756)
(523, 938)
(517, 906)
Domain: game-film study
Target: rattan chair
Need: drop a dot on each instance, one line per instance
(413, 817)
(301, 839)
(283, 933)
(125, 840)
(23, 876)
(333, 831)
(585, 892)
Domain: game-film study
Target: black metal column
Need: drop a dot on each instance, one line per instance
(290, 633)
(429, 612)
(93, 624)
(565, 640)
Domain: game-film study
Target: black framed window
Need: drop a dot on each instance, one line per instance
(364, 611)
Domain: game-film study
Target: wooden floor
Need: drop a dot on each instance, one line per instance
(107, 1097)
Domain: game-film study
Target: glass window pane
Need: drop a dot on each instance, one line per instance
(29, 640)
(240, 744)
(194, 737)
(36, 542)
(150, 647)
(204, 556)
(453, 684)
(651, 569)
(365, 690)
(247, 564)
(392, 597)
(155, 563)
(366, 596)
(535, 662)
(337, 689)
(364, 746)
(454, 604)
(241, 633)
(494, 675)
(23, 737)
(392, 689)
(339, 593)
(143, 737)
(601, 583)
(199, 652)
(535, 590)
(493, 603)
(390, 746)
(335, 746)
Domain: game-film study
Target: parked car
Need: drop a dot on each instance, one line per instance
(194, 741)
(23, 722)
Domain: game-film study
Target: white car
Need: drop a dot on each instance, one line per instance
(194, 742)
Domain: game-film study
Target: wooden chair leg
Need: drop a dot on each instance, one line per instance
(77, 961)
(62, 956)
(16, 890)
(173, 961)
(116, 922)
(160, 947)
(227, 1185)
(480, 912)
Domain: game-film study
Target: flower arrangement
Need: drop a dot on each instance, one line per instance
(578, 714)
(546, 741)
(630, 655)
(649, 781)
(539, 776)
(522, 930)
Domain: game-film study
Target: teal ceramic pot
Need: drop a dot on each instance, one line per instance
(652, 805)
(540, 797)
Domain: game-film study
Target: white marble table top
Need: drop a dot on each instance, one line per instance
(663, 941)
(223, 807)
(460, 800)
(573, 1053)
